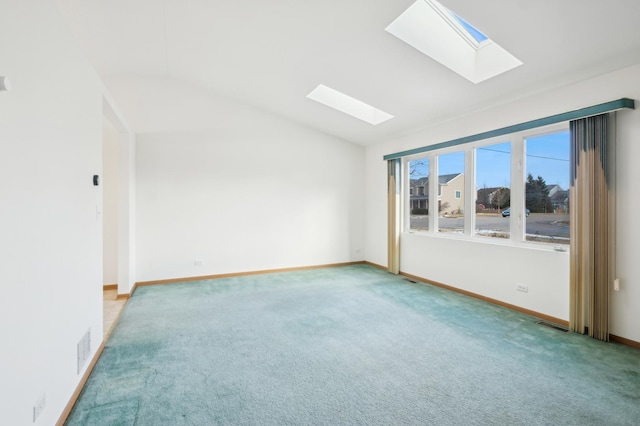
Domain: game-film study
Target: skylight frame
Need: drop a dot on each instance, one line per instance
(435, 31)
(348, 105)
(466, 25)
(453, 19)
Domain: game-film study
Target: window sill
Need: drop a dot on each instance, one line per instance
(532, 245)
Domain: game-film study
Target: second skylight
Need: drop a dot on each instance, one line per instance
(345, 103)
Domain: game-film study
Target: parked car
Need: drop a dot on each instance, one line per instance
(507, 212)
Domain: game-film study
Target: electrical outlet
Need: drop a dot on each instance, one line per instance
(38, 407)
(522, 288)
(197, 262)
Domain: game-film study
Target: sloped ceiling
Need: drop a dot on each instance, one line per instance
(271, 54)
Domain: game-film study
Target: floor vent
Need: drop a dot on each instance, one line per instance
(411, 281)
(552, 325)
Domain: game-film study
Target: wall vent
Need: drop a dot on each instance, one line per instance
(552, 325)
(84, 350)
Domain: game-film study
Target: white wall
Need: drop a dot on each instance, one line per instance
(466, 264)
(235, 188)
(50, 235)
(110, 202)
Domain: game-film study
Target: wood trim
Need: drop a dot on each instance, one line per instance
(83, 381)
(240, 274)
(87, 373)
(375, 265)
(624, 341)
(540, 315)
(489, 300)
(110, 287)
(124, 296)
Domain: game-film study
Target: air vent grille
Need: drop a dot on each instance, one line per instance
(84, 350)
(552, 325)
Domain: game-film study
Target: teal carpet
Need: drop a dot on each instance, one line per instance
(347, 346)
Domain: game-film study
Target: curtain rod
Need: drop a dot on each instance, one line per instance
(624, 103)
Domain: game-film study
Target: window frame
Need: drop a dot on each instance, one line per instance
(517, 226)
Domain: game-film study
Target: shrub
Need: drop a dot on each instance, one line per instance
(420, 211)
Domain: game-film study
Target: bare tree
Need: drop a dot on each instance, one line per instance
(419, 168)
(502, 198)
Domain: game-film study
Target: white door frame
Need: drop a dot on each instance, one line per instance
(126, 197)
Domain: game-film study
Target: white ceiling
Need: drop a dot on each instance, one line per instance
(271, 54)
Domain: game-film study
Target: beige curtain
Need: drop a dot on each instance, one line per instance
(393, 216)
(592, 206)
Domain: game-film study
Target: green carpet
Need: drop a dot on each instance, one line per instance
(345, 346)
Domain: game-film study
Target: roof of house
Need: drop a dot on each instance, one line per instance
(442, 180)
(560, 196)
(445, 179)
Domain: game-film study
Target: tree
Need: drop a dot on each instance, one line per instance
(502, 198)
(418, 168)
(537, 195)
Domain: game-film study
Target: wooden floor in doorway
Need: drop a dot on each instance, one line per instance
(111, 310)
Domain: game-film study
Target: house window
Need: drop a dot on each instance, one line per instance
(450, 183)
(547, 188)
(419, 194)
(524, 176)
(493, 189)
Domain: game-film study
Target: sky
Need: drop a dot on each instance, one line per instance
(546, 156)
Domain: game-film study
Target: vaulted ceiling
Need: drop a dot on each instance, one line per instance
(271, 54)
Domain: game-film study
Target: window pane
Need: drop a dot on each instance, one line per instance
(419, 194)
(547, 188)
(450, 182)
(493, 183)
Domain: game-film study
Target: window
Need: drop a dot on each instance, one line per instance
(517, 193)
(450, 183)
(493, 190)
(419, 194)
(547, 188)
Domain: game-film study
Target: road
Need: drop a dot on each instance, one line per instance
(545, 224)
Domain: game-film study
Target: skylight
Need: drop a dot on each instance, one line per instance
(344, 103)
(475, 33)
(452, 41)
